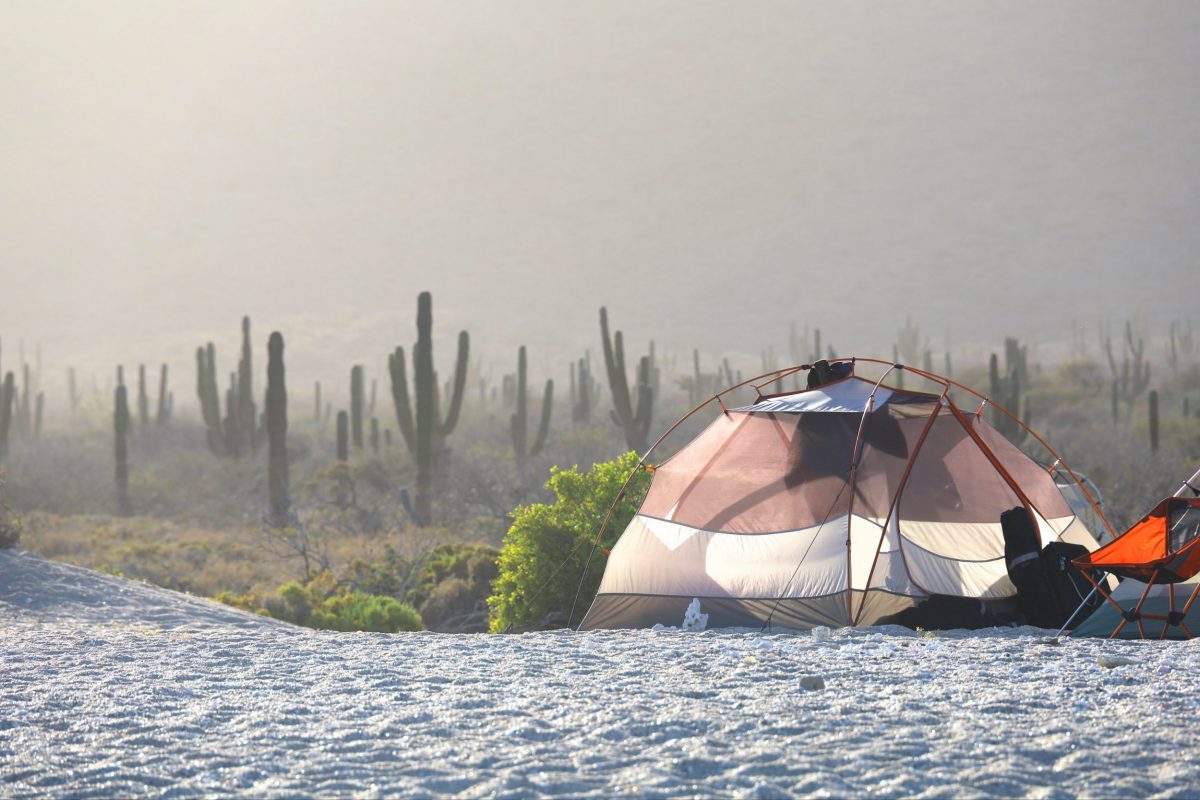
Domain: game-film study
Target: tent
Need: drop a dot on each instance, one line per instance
(849, 503)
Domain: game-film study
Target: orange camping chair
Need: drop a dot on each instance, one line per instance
(1162, 548)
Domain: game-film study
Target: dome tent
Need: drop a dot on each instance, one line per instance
(843, 504)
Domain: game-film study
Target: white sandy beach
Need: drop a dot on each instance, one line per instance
(112, 687)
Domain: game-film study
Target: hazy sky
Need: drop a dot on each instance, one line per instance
(710, 171)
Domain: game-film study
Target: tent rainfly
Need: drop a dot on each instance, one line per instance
(844, 504)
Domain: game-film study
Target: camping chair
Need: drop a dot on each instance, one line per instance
(1162, 548)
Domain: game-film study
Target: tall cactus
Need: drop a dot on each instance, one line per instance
(163, 415)
(72, 390)
(584, 390)
(279, 504)
(8, 393)
(1007, 393)
(519, 422)
(356, 406)
(233, 432)
(375, 435)
(121, 450)
(425, 431)
(210, 397)
(143, 400)
(634, 423)
(343, 436)
(247, 413)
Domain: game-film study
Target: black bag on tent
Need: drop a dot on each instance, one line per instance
(1049, 586)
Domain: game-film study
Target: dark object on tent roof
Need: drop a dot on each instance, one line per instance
(1162, 548)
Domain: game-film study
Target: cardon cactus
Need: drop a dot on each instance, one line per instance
(633, 420)
(121, 450)
(423, 428)
(519, 422)
(163, 415)
(343, 436)
(247, 413)
(279, 504)
(356, 406)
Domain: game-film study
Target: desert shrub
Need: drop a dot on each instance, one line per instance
(547, 545)
(10, 523)
(365, 612)
(318, 604)
(455, 580)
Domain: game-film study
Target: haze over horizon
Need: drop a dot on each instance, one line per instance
(710, 172)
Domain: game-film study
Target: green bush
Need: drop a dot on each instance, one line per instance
(455, 580)
(318, 604)
(533, 580)
(10, 523)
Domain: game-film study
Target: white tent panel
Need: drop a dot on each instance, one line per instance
(938, 575)
(657, 557)
(849, 395)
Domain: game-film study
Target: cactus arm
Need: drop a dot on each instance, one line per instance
(460, 383)
(398, 370)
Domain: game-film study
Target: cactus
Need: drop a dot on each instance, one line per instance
(317, 402)
(210, 398)
(247, 413)
(356, 406)
(519, 422)
(143, 401)
(387, 437)
(275, 409)
(1134, 371)
(634, 423)
(371, 399)
(1015, 358)
(25, 407)
(72, 390)
(38, 407)
(163, 415)
(233, 440)
(375, 435)
(947, 372)
(585, 390)
(8, 393)
(425, 431)
(121, 450)
(1007, 393)
(1153, 399)
(343, 436)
